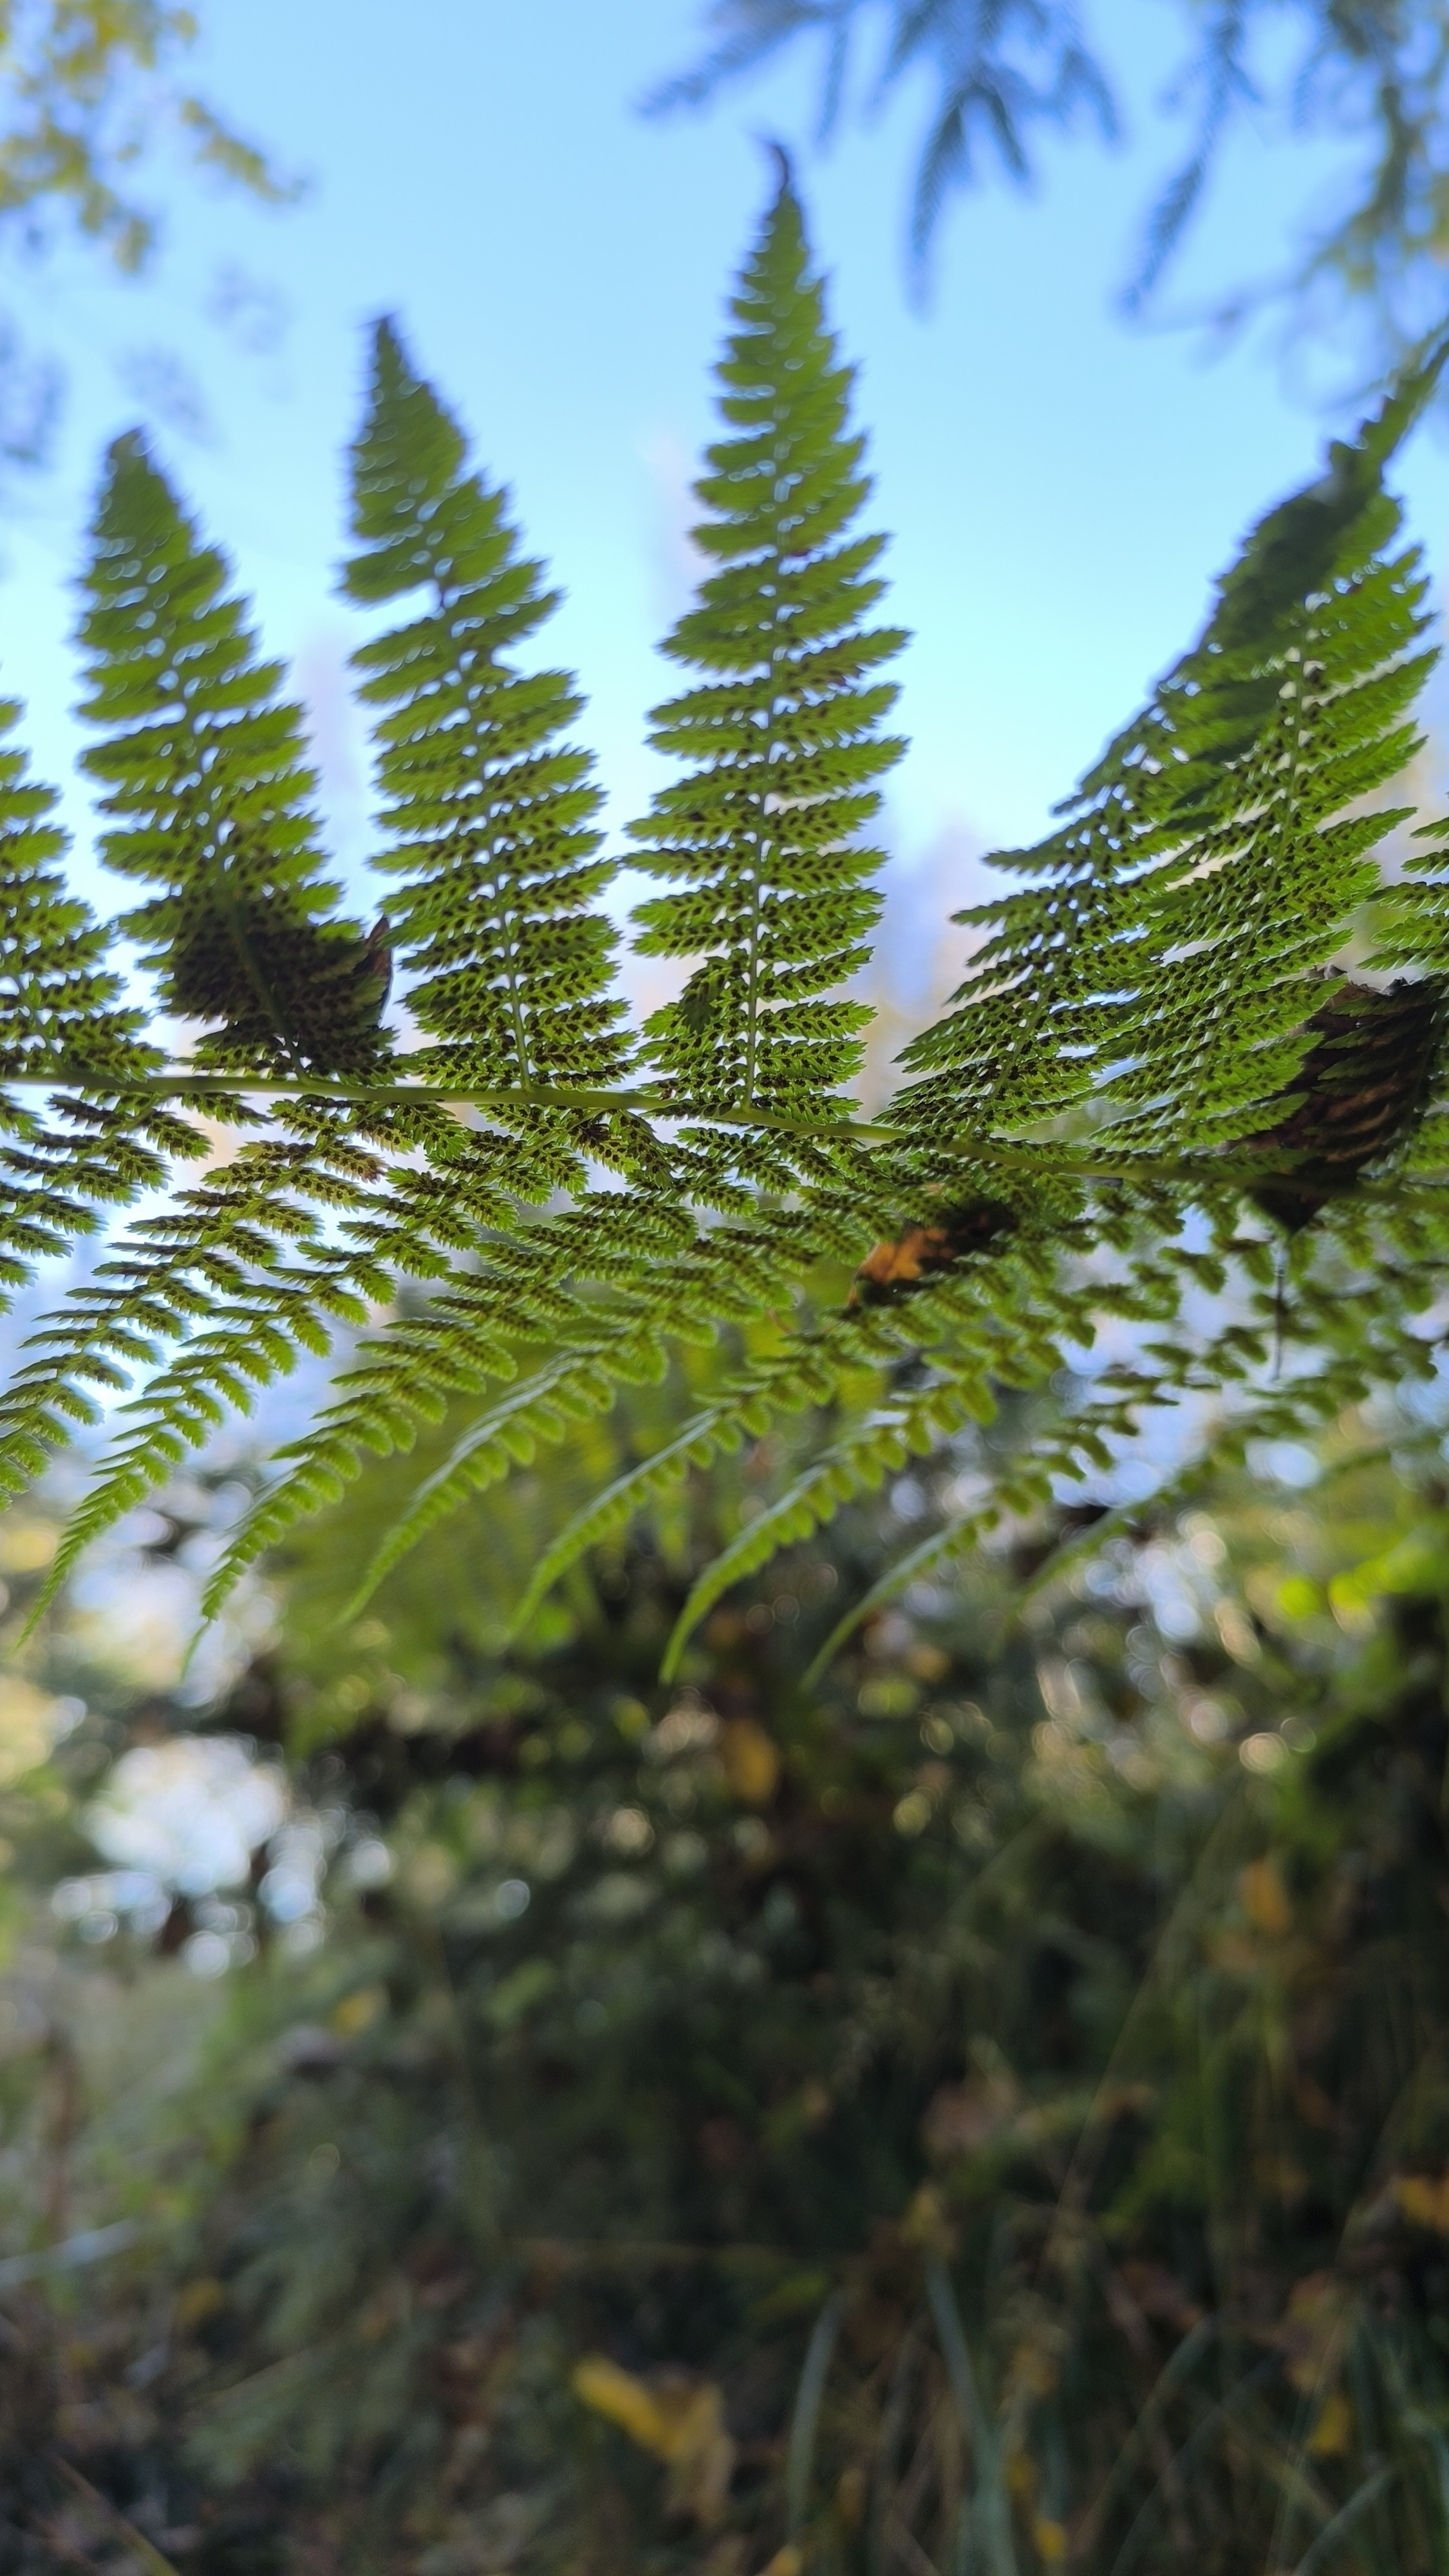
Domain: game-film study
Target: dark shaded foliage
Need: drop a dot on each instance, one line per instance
(1005, 1992)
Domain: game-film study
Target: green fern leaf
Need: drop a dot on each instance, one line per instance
(1146, 1032)
(613, 1281)
(912, 1426)
(955, 1538)
(703, 1436)
(975, 1300)
(61, 1017)
(781, 735)
(493, 815)
(1208, 870)
(204, 775)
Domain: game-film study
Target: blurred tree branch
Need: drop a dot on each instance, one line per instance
(90, 93)
(1372, 75)
(86, 91)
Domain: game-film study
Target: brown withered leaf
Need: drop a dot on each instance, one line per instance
(1265, 1899)
(1424, 2200)
(679, 2419)
(751, 1761)
(1159, 2294)
(1358, 1091)
(1332, 2433)
(921, 1252)
(1312, 2331)
(963, 2117)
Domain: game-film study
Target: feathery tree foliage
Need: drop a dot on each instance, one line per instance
(88, 85)
(87, 95)
(1008, 73)
(1161, 1106)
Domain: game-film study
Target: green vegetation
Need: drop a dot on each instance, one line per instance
(792, 1996)
(1009, 78)
(89, 89)
(988, 2109)
(90, 105)
(1243, 1166)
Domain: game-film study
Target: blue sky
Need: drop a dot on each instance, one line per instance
(1059, 486)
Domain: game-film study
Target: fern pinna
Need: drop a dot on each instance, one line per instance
(1240, 1172)
(761, 839)
(493, 817)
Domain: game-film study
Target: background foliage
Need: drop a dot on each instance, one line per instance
(1006, 80)
(689, 2077)
(90, 105)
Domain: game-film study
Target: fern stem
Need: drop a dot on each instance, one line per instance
(528, 1095)
(1189, 1171)
(757, 882)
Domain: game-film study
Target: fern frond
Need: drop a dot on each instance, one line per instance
(1208, 870)
(536, 1415)
(224, 1247)
(782, 732)
(1280, 1360)
(492, 813)
(1411, 920)
(405, 1376)
(382, 1407)
(59, 1000)
(288, 1245)
(647, 1481)
(203, 762)
(1004, 1315)
(60, 1005)
(806, 1371)
(1352, 1351)
(204, 773)
(1154, 1032)
(202, 766)
(954, 1538)
(660, 1282)
(914, 1423)
(976, 1306)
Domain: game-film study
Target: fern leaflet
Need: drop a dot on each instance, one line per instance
(782, 730)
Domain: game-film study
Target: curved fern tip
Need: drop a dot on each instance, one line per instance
(673, 1655)
(774, 150)
(357, 1600)
(392, 364)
